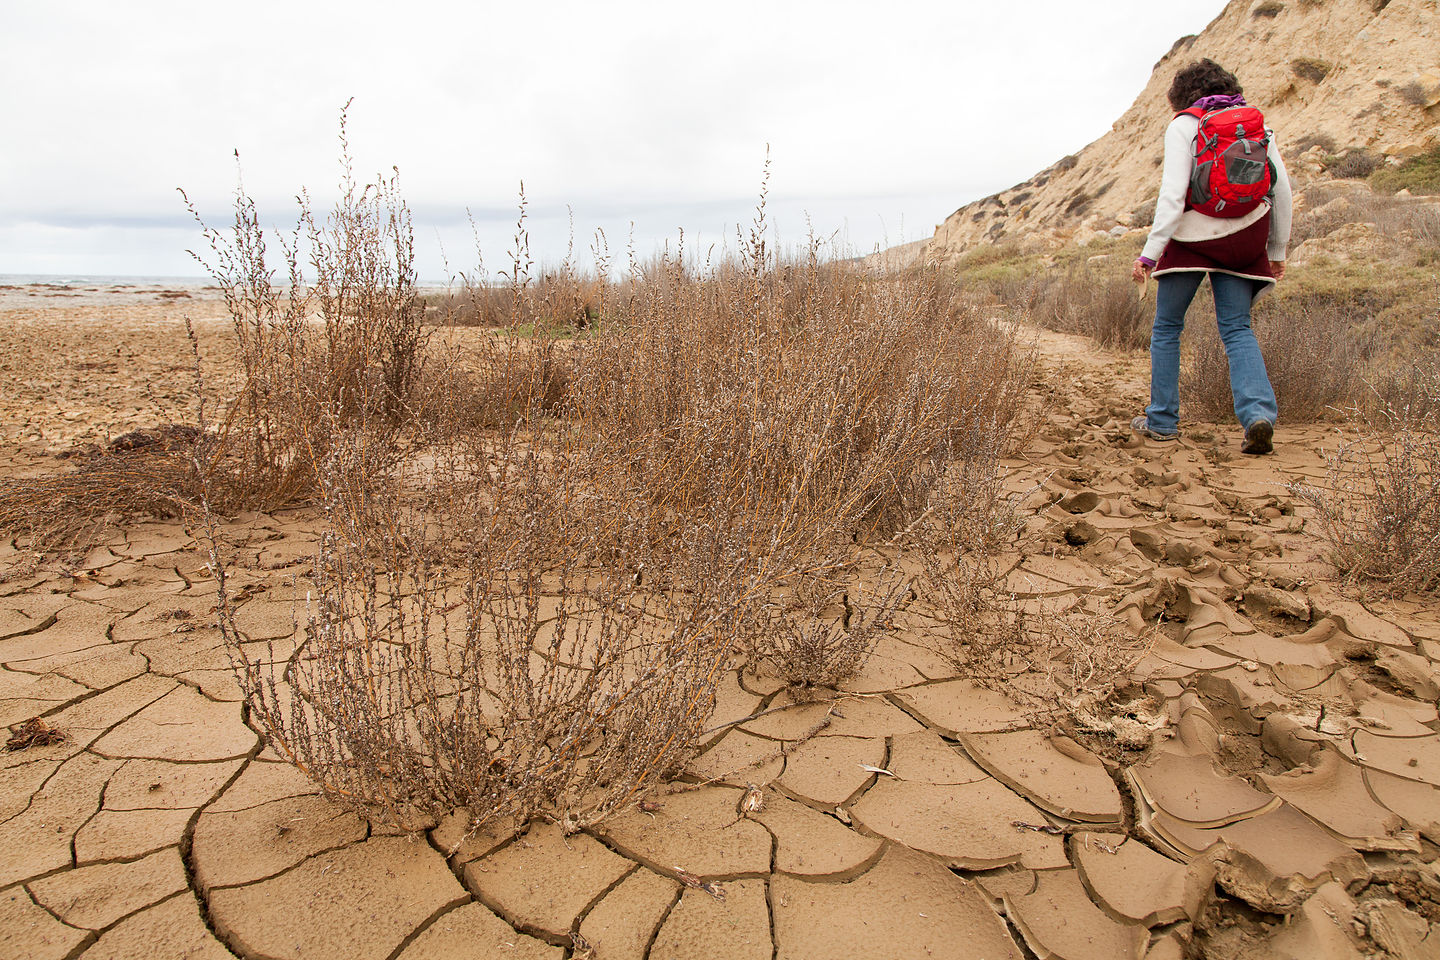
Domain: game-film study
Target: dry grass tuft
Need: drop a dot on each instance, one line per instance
(1380, 508)
(143, 473)
(1101, 304)
(339, 351)
(1312, 354)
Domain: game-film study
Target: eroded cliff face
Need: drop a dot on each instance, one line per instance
(1349, 73)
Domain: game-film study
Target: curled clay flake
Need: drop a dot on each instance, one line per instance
(876, 770)
(753, 800)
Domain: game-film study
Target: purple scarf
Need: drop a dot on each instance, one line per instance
(1219, 101)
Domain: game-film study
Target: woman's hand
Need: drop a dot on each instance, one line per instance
(1277, 269)
(1140, 270)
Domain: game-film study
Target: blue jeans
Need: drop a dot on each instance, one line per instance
(1249, 383)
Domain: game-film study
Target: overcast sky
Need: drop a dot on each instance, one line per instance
(881, 118)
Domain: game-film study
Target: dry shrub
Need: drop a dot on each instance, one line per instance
(1407, 394)
(534, 569)
(1017, 290)
(1086, 657)
(321, 355)
(33, 733)
(457, 655)
(1308, 142)
(1313, 355)
(1413, 93)
(63, 512)
(560, 300)
(957, 545)
(800, 409)
(1102, 305)
(822, 633)
(1143, 213)
(473, 305)
(1413, 220)
(1060, 665)
(1380, 508)
(1356, 164)
(491, 384)
(827, 401)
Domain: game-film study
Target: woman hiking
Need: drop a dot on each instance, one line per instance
(1222, 212)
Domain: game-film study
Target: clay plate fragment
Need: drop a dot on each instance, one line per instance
(1056, 774)
(971, 826)
(473, 931)
(1059, 922)
(908, 907)
(544, 880)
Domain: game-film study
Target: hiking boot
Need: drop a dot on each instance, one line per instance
(1258, 437)
(1142, 426)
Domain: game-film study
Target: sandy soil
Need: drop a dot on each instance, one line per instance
(1293, 764)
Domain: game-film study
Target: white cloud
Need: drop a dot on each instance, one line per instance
(659, 111)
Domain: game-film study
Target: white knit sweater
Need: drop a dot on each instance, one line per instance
(1174, 222)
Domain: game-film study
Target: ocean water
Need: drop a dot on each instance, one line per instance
(99, 280)
(74, 281)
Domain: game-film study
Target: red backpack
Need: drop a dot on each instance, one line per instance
(1232, 172)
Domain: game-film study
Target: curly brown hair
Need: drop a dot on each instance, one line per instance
(1203, 78)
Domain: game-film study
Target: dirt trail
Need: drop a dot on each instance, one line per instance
(1293, 757)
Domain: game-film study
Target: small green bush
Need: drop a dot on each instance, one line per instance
(1310, 68)
(1419, 174)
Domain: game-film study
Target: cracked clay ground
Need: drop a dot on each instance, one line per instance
(1295, 757)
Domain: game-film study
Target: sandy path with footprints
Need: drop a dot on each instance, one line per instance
(1295, 759)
